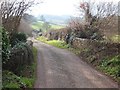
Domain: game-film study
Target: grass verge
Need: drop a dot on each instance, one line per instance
(111, 66)
(56, 43)
(10, 80)
(59, 44)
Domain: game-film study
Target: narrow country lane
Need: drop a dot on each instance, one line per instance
(58, 68)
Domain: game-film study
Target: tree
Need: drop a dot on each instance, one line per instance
(29, 18)
(42, 18)
(85, 8)
(103, 16)
(94, 12)
(12, 12)
(46, 26)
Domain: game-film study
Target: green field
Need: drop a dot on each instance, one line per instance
(39, 25)
(56, 26)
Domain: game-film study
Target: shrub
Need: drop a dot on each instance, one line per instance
(90, 32)
(18, 37)
(25, 79)
(21, 55)
(85, 31)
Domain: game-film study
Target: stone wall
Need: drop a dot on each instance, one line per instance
(95, 50)
(95, 45)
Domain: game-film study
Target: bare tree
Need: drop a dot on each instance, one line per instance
(107, 18)
(75, 24)
(103, 15)
(12, 12)
(107, 9)
(100, 18)
(97, 11)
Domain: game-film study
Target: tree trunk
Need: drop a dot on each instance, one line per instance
(0, 15)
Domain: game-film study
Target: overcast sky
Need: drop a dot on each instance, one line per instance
(60, 7)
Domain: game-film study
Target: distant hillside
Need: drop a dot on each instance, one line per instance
(29, 18)
(55, 22)
(59, 20)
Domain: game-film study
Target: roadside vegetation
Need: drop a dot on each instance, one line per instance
(56, 43)
(21, 76)
(25, 80)
(59, 44)
(18, 53)
(10, 80)
(111, 66)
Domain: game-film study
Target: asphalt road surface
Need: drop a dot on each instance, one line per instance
(59, 68)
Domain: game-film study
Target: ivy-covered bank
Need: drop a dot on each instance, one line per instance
(25, 79)
(18, 61)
